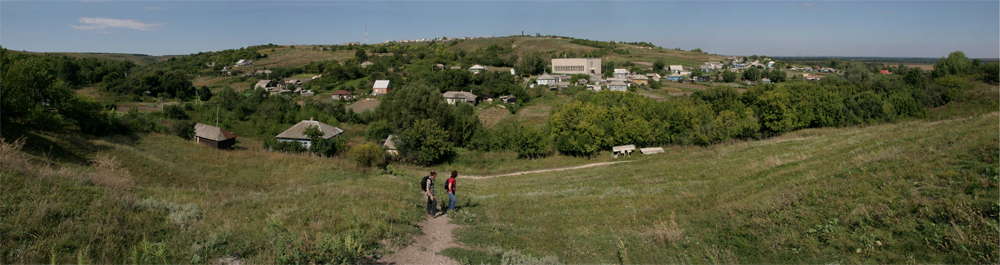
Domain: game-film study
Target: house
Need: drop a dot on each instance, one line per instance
(621, 73)
(617, 85)
(213, 136)
(307, 92)
(546, 80)
(812, 77)
(455, 97)
(770, 64)
(316, 77)
(651, 150)
(508, 99)
(654, 76)
(381, 87)
(262, 72)
(675, 77)
(264, 84)
(297, 133)
(884, 72)
(439, 66)
(293, 82)
(625, 150)
(570, 66)
(342, 95)
(765, 80)
(676, 68)
(475, 69)
(366, 64)
(390, 145)
(638, 79)
(244, 62)
(711, 66)
(594, 87)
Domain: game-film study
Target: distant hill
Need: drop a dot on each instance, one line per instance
(139, 59)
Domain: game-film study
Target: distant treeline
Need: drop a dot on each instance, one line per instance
(885, 60)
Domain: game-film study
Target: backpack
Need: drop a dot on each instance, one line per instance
(423, 183)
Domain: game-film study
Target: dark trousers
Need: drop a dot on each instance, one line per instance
(431, 206)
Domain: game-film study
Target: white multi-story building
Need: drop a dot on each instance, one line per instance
(572, 66)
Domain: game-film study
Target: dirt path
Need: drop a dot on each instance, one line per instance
(438, 235)
(601, 164)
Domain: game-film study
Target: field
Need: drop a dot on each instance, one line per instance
(294, 56)
(159, 198)
(917, 191)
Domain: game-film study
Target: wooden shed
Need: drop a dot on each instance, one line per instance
(213, 136)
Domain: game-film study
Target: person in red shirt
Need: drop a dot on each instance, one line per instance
(450, 187)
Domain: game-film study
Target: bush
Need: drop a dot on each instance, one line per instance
(175, 112)
(183, 129)
(368, 155)
(425, 143)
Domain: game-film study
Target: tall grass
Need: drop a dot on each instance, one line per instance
(918, 191)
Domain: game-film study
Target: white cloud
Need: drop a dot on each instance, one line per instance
(102, 23)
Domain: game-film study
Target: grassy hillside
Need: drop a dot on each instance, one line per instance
(915, 191)
(637, 54)
(160, 199)
(139, 59)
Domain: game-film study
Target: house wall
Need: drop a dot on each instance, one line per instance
(305, 143)
(576, 66)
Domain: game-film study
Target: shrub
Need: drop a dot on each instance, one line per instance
(368, 155)
(425, 143)
(175, 112)
(183, 129)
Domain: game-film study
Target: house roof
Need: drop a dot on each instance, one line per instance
(212, 133)
(390, 142)
(546, 77)
(651, 150)
(341, 92)
(676, 67)
(617, 83)
(477, 67)
(381, 84)
(638, 77)
(262, 83)
(298, 131)
(620, 148)
(621, 71)
(459, 94)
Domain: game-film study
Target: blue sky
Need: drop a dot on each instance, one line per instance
(780, 28)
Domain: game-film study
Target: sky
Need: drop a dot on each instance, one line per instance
(776, 28)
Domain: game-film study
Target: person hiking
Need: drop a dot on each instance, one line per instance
(427, 186)
(450, 187)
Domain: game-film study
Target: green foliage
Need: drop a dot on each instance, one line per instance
(729, 76)
(425, 143)
(955, 64)
(183, 129)
(175, 112)
(368, 155)
(531, 64)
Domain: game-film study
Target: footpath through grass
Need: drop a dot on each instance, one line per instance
(911, 192)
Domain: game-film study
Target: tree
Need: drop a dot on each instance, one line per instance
(729, 76)
(425, 143)
(531, 64)
(955, 64)
(777, 76)
(360, 55)
(658, 65)
(753, 74)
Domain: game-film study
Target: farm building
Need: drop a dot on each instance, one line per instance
(638, 79)
(342, 95)
(651, 150)
(264, 84)
(477, 69)
(620, 150)
(213, 136)
(297, 133)
(546, 80)
(381, 87)
(455, 97)
(676, 68)
(617, 85)
(588, 66)
(621, 73)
